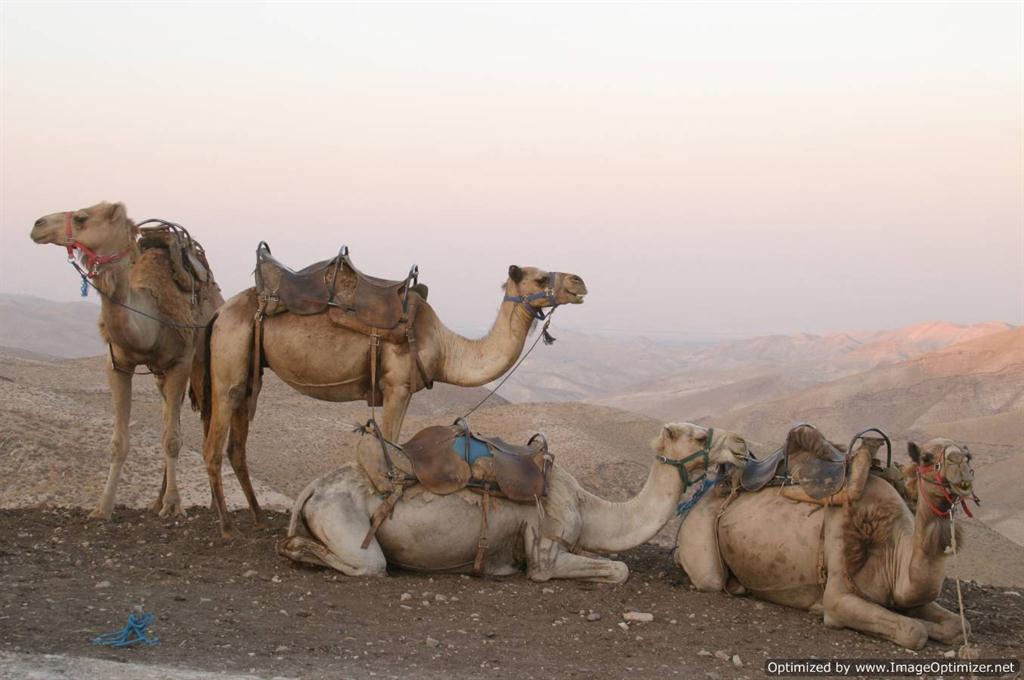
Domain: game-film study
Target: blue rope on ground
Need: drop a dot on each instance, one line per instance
(684, 507)
(132, 634)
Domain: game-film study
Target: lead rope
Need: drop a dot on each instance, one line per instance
(542, 334)
(965, 652)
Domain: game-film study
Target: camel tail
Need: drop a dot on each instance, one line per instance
(206, 403)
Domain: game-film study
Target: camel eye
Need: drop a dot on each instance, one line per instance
(542, 281)
(81, 219)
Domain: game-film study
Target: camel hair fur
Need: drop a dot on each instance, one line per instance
(434, 533)
(875, 565)
(328, 362)
(127, 276)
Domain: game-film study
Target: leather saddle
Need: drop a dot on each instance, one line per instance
(446, 459)
(189, 267)
(820, 472)
(356, 300)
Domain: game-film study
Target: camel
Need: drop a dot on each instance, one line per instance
(146, 319)
(435, 533)
(328, 362)
(872, 565)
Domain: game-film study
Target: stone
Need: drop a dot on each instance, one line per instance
(593, 616)
(250, 573)
(548, 591)
(431, 642)
(623, 625)
(721, 655)
(639, 617)
(703, 652)
(405, 597)
(102, 584)
(736, 661)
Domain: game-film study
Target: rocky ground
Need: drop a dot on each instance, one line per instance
(238, 608)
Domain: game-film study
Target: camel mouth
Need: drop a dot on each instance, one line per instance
(963, 489)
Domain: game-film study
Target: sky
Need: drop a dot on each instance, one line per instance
(709, 169)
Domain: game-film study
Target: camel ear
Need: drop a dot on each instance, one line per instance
(117, 213)
(914, 451)
(670, 434)
(515, 273)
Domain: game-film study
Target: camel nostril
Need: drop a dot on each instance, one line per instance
(40, 222)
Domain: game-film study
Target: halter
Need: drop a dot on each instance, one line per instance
(943, 485)
(547, 294)
(89, 256)
(680, 463)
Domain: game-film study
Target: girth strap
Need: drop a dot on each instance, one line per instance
(383, 511)
(481, 546)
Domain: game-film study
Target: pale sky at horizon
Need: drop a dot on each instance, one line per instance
(707, 168)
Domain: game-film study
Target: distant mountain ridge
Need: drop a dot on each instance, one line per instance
(61, 329)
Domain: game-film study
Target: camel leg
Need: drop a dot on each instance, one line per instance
(396, 403)
(697, 547)
(942, 624)
(121, 394)
(547, 559)
(236, 454)
(172, 386)
(846, 610)
(338, 522)
(213, 452)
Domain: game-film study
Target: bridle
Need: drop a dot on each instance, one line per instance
(943, 483)
(89, 256)
(548, 294)
(680, 463)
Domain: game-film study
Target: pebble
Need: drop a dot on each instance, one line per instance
(102, 584)
(547, 591)
(721, 654)
(281, 648)
(951, 654)
(593, 616)
(250, 573)
(1012, 593)
(440, 598)
(643, 617)
(431, 642)
(736, 661)
(405, 597)
(703, 652)
(623, 625)
(276, 578)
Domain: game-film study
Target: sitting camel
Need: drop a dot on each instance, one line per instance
(870, 564)
(439, 533)
(325, 361)
(157, 295)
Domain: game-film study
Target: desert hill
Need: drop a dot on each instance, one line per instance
(63, 329)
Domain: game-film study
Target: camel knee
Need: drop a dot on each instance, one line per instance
(119, 446)
(172, 444)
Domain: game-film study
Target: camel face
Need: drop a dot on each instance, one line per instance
(679, 440)
(103, 228)
(946, 460)
(568, 289)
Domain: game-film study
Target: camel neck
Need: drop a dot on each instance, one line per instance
(470, 363)
(610, 527)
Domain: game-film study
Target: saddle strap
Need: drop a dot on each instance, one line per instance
(374, 359)
(481, 546)
(383, 511)
(428, 382)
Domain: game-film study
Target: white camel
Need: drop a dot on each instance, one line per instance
(436, 533)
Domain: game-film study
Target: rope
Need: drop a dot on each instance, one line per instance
(959, 592)
(133, 633)
(542, 334)
(86, 282)
(684, 507)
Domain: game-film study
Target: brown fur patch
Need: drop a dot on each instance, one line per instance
(866, 528)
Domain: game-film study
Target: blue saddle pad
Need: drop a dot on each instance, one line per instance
(477, 449)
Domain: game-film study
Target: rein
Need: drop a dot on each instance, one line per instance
(92, 260)
(680, 463)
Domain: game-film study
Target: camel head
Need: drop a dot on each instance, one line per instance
(102, 231)
(537, 288)
(942, 468)
(683, 443)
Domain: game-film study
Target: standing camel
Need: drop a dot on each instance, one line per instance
(155, 304)
(440, 533)
(873, 566)
(331, 363)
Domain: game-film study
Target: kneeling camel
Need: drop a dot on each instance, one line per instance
(436, 533)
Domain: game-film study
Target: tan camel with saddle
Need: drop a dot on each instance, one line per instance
(157, 295)
(337, 334)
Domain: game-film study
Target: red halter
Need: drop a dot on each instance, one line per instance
(92, 260)
(941, 483)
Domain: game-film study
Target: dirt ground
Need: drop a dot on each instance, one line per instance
(238, 608)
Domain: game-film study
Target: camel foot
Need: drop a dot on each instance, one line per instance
(228, 534)
(156, 506)
(172, 508)
(99, 513)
